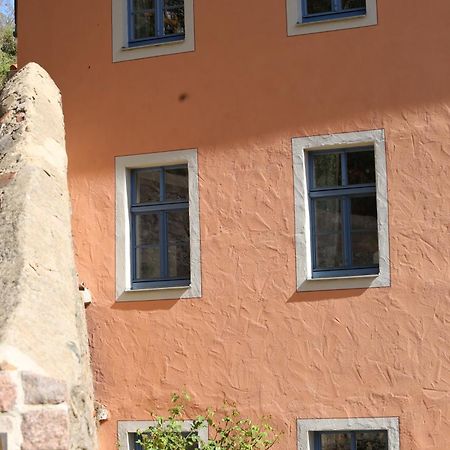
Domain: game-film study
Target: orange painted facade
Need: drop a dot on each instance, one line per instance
(240, 98)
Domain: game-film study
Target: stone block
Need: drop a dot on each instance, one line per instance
(45, 429)
(41, 390)
(8, 392)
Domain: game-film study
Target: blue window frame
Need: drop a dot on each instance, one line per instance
(317, 10)
(160, 244)
(155, 21)
(343, 212)
(351, 440)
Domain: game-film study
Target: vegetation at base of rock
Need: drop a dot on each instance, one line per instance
(227, 430)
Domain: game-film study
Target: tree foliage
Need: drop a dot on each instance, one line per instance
(228, 430)
(7, 39)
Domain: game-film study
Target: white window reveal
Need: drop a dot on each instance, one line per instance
(147, 28)
(348, 434)
(157, 226)
(315, 16)
(128, 432)
(341, 211)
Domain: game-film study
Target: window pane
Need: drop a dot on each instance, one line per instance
(352, 4)
(329, 251)
(147, 263)
(364, 248)
(178, 244)
(327, 170)
(173, 4)
(140, 5)
(147, 186)
(173, 17)
(372, 440)
(361, 167)
(328, 215)
(179, 261)
(147, 229)
(177, 184)
(144, 25)
(335, 441)
(364, 213)
(319, 6)
(135, 437)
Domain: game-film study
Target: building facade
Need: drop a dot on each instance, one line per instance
(260, 208)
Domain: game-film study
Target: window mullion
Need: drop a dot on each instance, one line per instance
(133, 247)
(313, 234)
(159, 14)
(337, 5)
(353, 440)
(131, 12)
(318, 440)
(305, 7)
(346, 214)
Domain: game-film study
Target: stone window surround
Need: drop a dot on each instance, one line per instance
(296, 27)
(123, 254)
(125, 427)
(307, 427)
(122, 52)
(300, 147)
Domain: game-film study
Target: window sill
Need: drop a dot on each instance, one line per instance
(346, 282)
(158, 293)
(347, 277)
(153, 44)
(301, 23)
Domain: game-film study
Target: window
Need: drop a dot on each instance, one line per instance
(316, 10)
(351, 440)
(348, 434)
(341, 211)
(314, 16)
(152, 21)
(146, 28)
(160, 227)
(157, 226)
(134, 439)
(128, 432)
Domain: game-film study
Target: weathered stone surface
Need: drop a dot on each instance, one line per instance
(41, 314)
(41, 390)
(8, 392)
(45, 429)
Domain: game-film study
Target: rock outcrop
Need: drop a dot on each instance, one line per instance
(45, 376)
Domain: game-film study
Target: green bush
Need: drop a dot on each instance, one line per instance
(7, 44)
(228, 430)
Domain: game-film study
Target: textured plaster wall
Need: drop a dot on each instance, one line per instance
(42, 317)
(240, 98)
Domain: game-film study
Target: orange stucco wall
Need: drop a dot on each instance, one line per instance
(248, 90)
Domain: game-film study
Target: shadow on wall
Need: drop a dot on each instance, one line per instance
(326, 295)
(296, 297)
(148, 305)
